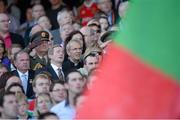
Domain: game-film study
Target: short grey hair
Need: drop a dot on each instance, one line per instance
(61, 12)
(69, 44)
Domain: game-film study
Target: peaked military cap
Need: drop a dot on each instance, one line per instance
(40, 36)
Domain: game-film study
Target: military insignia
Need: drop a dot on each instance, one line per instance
(43, 34)
(30, 81)
(37, 66)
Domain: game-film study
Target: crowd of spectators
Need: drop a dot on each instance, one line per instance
(49, 58)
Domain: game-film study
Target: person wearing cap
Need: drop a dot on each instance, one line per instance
(40, 42)
(56, 56)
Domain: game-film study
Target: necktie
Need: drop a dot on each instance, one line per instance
(24, 80)
(60, 74)
(43, 60)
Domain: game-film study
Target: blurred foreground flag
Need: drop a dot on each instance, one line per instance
(141, 72)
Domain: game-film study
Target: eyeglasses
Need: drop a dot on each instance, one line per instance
(76, 49)
(58, 90)
(5, 21)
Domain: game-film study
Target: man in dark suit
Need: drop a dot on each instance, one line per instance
(74, 51)
(56, 56)
(22, 63)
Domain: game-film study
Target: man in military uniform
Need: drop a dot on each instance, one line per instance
(40, 41)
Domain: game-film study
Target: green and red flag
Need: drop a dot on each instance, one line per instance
(141, 71)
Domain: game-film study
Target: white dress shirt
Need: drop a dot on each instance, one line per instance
(63, 111)
(56, 69)
(24, 79)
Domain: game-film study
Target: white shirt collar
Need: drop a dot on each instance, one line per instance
(20, 73)
(55, 68)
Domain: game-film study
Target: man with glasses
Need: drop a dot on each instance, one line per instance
(9, 38)
(74, 51)
(58, 92)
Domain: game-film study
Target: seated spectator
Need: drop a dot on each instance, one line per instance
(76, 35)
(91, 61)
(90, 36)
(44, 22)
(56, 56)
(23, 112)
(56, 6)
(16, 88)
(24, 26)
(12, 51)
(104, 24)
(75, 83)
(87, 11)
(60, 35)
(106, 7)
(7, 79)
(106, 38)
(8, 106)
(8, 37)
(74, 51)
(3, 69)
(41, 84)
(58, 92)
(14, 23)
(3, 58)
(23, 71)
(48, 116)
(43, 104)
(41, 40)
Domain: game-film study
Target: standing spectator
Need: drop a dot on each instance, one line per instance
(23, 71)
(56, 6)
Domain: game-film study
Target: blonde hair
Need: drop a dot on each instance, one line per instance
(41, 75)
